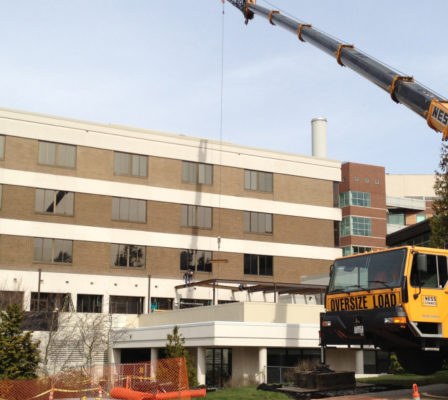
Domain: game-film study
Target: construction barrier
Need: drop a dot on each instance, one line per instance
(163, 376)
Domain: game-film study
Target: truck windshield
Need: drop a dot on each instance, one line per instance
(368, 271)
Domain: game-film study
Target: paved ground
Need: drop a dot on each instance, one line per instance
(429, 392)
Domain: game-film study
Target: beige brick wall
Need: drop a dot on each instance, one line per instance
(93, 258)
(93, 210)
(22, 154)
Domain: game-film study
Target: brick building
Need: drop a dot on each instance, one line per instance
(107, 218)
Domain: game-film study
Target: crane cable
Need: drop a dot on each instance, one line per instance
(221, 123)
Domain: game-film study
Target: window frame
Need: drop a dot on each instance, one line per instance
(92, 298)
(351, 225)
(117, 255)
(54, 247)
(120, 207)
(254, 221)
(132, 168)
(60, 149)
(139, 304)
(191, 216)
(54, 195)
(258, 181)
(254, 263)
(2, 147)
(189, 259)
(355, 198)
(192, 172)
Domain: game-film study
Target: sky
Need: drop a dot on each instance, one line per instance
(172, 66)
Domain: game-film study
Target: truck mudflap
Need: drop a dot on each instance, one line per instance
(380, 327)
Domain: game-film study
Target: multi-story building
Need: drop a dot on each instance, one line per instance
(108, 217)
(362, 200)
(376, 205)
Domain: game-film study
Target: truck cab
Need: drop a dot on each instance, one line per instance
(395, 299)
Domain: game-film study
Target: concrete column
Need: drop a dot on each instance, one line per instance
(154, 359)
(359, 362)
(200, 365)
(262, 364)
(114, 356)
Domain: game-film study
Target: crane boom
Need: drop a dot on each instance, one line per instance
(402, 89)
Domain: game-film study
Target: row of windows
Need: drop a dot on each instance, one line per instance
(360, 226)
(366, 180)
(354, 198)
(64, 155)
(60, 202)
(87, 303)
(60, 251)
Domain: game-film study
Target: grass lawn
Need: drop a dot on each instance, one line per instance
(406, 380)
(396, 381)
(246, 393)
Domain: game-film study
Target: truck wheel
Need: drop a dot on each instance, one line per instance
(420, 362)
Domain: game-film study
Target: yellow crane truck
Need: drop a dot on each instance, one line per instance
(395, 299)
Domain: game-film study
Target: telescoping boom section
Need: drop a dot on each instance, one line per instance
(395, 299)
(402, 89)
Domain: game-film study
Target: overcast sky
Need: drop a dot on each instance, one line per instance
(156, 64)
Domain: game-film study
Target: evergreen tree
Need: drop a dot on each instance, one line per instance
(439, 223)
(19, 356)
(175, 348)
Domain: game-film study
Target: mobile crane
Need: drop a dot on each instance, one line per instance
(402, 89)
(394, 299)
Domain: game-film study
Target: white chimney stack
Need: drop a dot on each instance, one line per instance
(319, 137)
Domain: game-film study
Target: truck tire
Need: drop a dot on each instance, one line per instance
(420, 362)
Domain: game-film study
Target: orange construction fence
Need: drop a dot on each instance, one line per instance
(162, 376)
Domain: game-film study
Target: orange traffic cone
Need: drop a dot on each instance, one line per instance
(100, 392)
(51, 394)
(415, 393)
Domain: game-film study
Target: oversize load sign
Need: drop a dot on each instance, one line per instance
(364, 302)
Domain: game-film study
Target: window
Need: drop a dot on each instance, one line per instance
(130, 164)
(218, 366)
(356, 178)
(396, 217)
(256, 222)
(161, 304)
(419, 217)
(53, 251)
(57, 154)
(126, 305)
(57, 202)
(258, 265)
(366, 180)
(196, 260)
(257, 180)
(353, 198)
(50, 301)
(377, 181)
(2, 147)
(131, 210)
(349, 250)
(429, 271)
(127, 255)
(8, 297)
(193, 172)
(89, 303)
(196, 216)
(191, 303)
(359, 226)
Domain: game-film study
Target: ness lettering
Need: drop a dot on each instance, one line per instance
(440, 116)
(355, 303)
